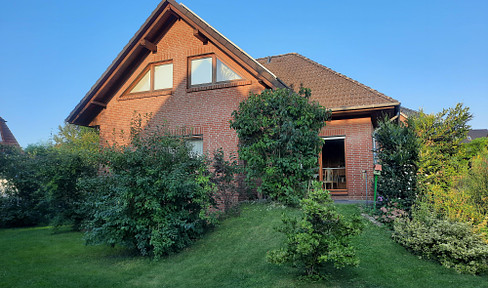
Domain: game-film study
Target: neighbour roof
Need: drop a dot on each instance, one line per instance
(330, 88)
(476, 133)
(6, 136)
(161, 19)
(408, 112)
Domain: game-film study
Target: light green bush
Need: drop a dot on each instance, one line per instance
(454, 244)
(322, 235)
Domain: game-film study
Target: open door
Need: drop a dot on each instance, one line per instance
(332, 162)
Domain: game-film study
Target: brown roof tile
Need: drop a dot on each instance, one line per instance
(6, 136)
(330, 88)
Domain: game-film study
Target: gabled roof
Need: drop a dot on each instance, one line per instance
(6, 136)
(158, 23)
(330, 88)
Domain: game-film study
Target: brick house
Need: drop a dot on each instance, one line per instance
(190, 78)
(6, 136)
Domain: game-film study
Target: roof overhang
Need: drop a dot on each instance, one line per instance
(376, 112)
(142, 43)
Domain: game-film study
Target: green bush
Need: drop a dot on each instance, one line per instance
(223, 173)
(153, 197)
(441, 158)
(278, 132)
(398, 152)
(22, 203)
(322, 235)
(475, 182)
(453, 244)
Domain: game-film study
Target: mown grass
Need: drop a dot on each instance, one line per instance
(233, 255)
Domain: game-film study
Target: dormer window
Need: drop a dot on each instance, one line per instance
(156, 77)
(208, 70)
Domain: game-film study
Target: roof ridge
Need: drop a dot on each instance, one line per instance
(275, 56)
(336, 73)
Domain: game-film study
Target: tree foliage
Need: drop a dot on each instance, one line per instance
(153, 197)
(398, 152)
(279, 142)
(440, 160)
(41, 181)
(21, 203)
(322, 235)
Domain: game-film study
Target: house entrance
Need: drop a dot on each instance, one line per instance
(332, 162)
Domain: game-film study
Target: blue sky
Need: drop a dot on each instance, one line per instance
(429, 54)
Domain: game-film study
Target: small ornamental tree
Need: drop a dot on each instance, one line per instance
(321, 236)
(398, 152)
(278, 132)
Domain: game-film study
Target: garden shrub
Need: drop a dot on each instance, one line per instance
(42, 179)
(398, 153)
(475, 181)
(278, 133)
(223, 175)
(321, 236)
(389, 210)
(441, 160)
(454, 244)
(22, 203)
(154, 195)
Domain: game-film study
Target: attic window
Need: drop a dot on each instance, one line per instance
(156, 77)
(210, 70)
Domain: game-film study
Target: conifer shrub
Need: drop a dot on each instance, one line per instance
(320, 236)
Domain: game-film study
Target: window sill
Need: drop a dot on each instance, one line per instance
(218, 86)
(143, 95)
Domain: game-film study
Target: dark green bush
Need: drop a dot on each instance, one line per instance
(223, 173)
(454, 244)
(153, 197)
(398, 152)
(322, 235)
(22, 202)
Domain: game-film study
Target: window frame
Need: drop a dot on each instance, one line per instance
(152, 92)
(197, 137)
(214, 58)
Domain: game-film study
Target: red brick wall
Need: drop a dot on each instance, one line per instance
(208, 112)
(202, 112)
(358, 149)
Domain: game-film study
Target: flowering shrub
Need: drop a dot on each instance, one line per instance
(389, 210)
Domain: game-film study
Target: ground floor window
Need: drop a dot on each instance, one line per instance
(196, 145)
(332, 162)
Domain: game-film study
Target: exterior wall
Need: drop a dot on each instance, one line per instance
(358, 150)
(207, 112)
(189, 111)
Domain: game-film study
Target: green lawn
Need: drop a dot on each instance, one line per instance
(233, 255)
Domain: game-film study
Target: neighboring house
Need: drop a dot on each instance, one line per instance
(474, 134)
(190, 78)
(406, 113)
(6, 136)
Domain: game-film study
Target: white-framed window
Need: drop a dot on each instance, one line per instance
(196, 145)
(209, 69)
(157, 76)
